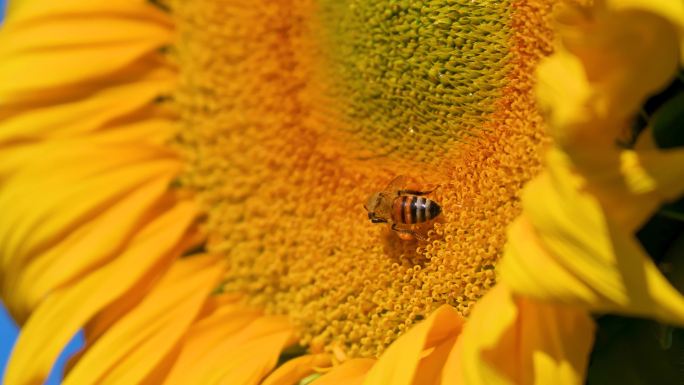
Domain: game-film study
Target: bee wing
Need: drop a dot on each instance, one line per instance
(398, 183)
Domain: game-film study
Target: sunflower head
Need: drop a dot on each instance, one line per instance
(208, 163)
(307, 110)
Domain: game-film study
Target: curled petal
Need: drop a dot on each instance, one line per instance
(587, 256)
(609, 62)
(667, 9)
(634, 184)
(515, 340)
(417, 357)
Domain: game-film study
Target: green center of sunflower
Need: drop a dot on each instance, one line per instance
(415, 77)
(294, 112)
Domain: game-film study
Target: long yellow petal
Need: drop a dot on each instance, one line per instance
(92, 244)
(631, 185)
(118, 309)
(105, 39)
(148, 134)
(667, 9)
(232, 344)
(107, 108)
(131, 349)
(296, 369)
(608, 64)
(43, 231)
(64, 311)
(399, 365)
(253, 361)
(587, 255)
(352, 372)
(157, 376)
(21, 11)
(127, 302)
(512, 340)
(430, 368)
(223, 322)
(79, 189)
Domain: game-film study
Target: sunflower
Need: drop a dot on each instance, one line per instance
(184, 181)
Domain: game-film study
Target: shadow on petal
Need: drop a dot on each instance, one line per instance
(513, 340)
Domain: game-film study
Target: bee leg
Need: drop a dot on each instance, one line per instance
(408, 232)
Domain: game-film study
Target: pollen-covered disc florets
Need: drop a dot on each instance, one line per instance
(294, 112)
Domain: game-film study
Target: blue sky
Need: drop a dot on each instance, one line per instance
(8, 330)
(8, 334)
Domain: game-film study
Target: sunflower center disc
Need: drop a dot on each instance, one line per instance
(293, 112)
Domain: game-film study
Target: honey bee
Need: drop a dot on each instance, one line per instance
(402, 208)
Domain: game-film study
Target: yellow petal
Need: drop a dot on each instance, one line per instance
(94, 243)
(399, 365)
(80, 186)
(667, 9)
(587, 256)
(232, 344)
(609, 63)
(157, 376)
(632, 185)
(64, 311)
(296, 369)
(513, 340)
(131, 349)
(253, 360)
(21, 11)
(222, 323)
(119, 309)
(104, 38)
(432, 365)
(145, 132)
(352, 372)
(105, 109)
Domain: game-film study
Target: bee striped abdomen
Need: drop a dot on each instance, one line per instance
(411, 209)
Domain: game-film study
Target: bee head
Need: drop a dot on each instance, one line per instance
(374, 206)
(373, 202)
